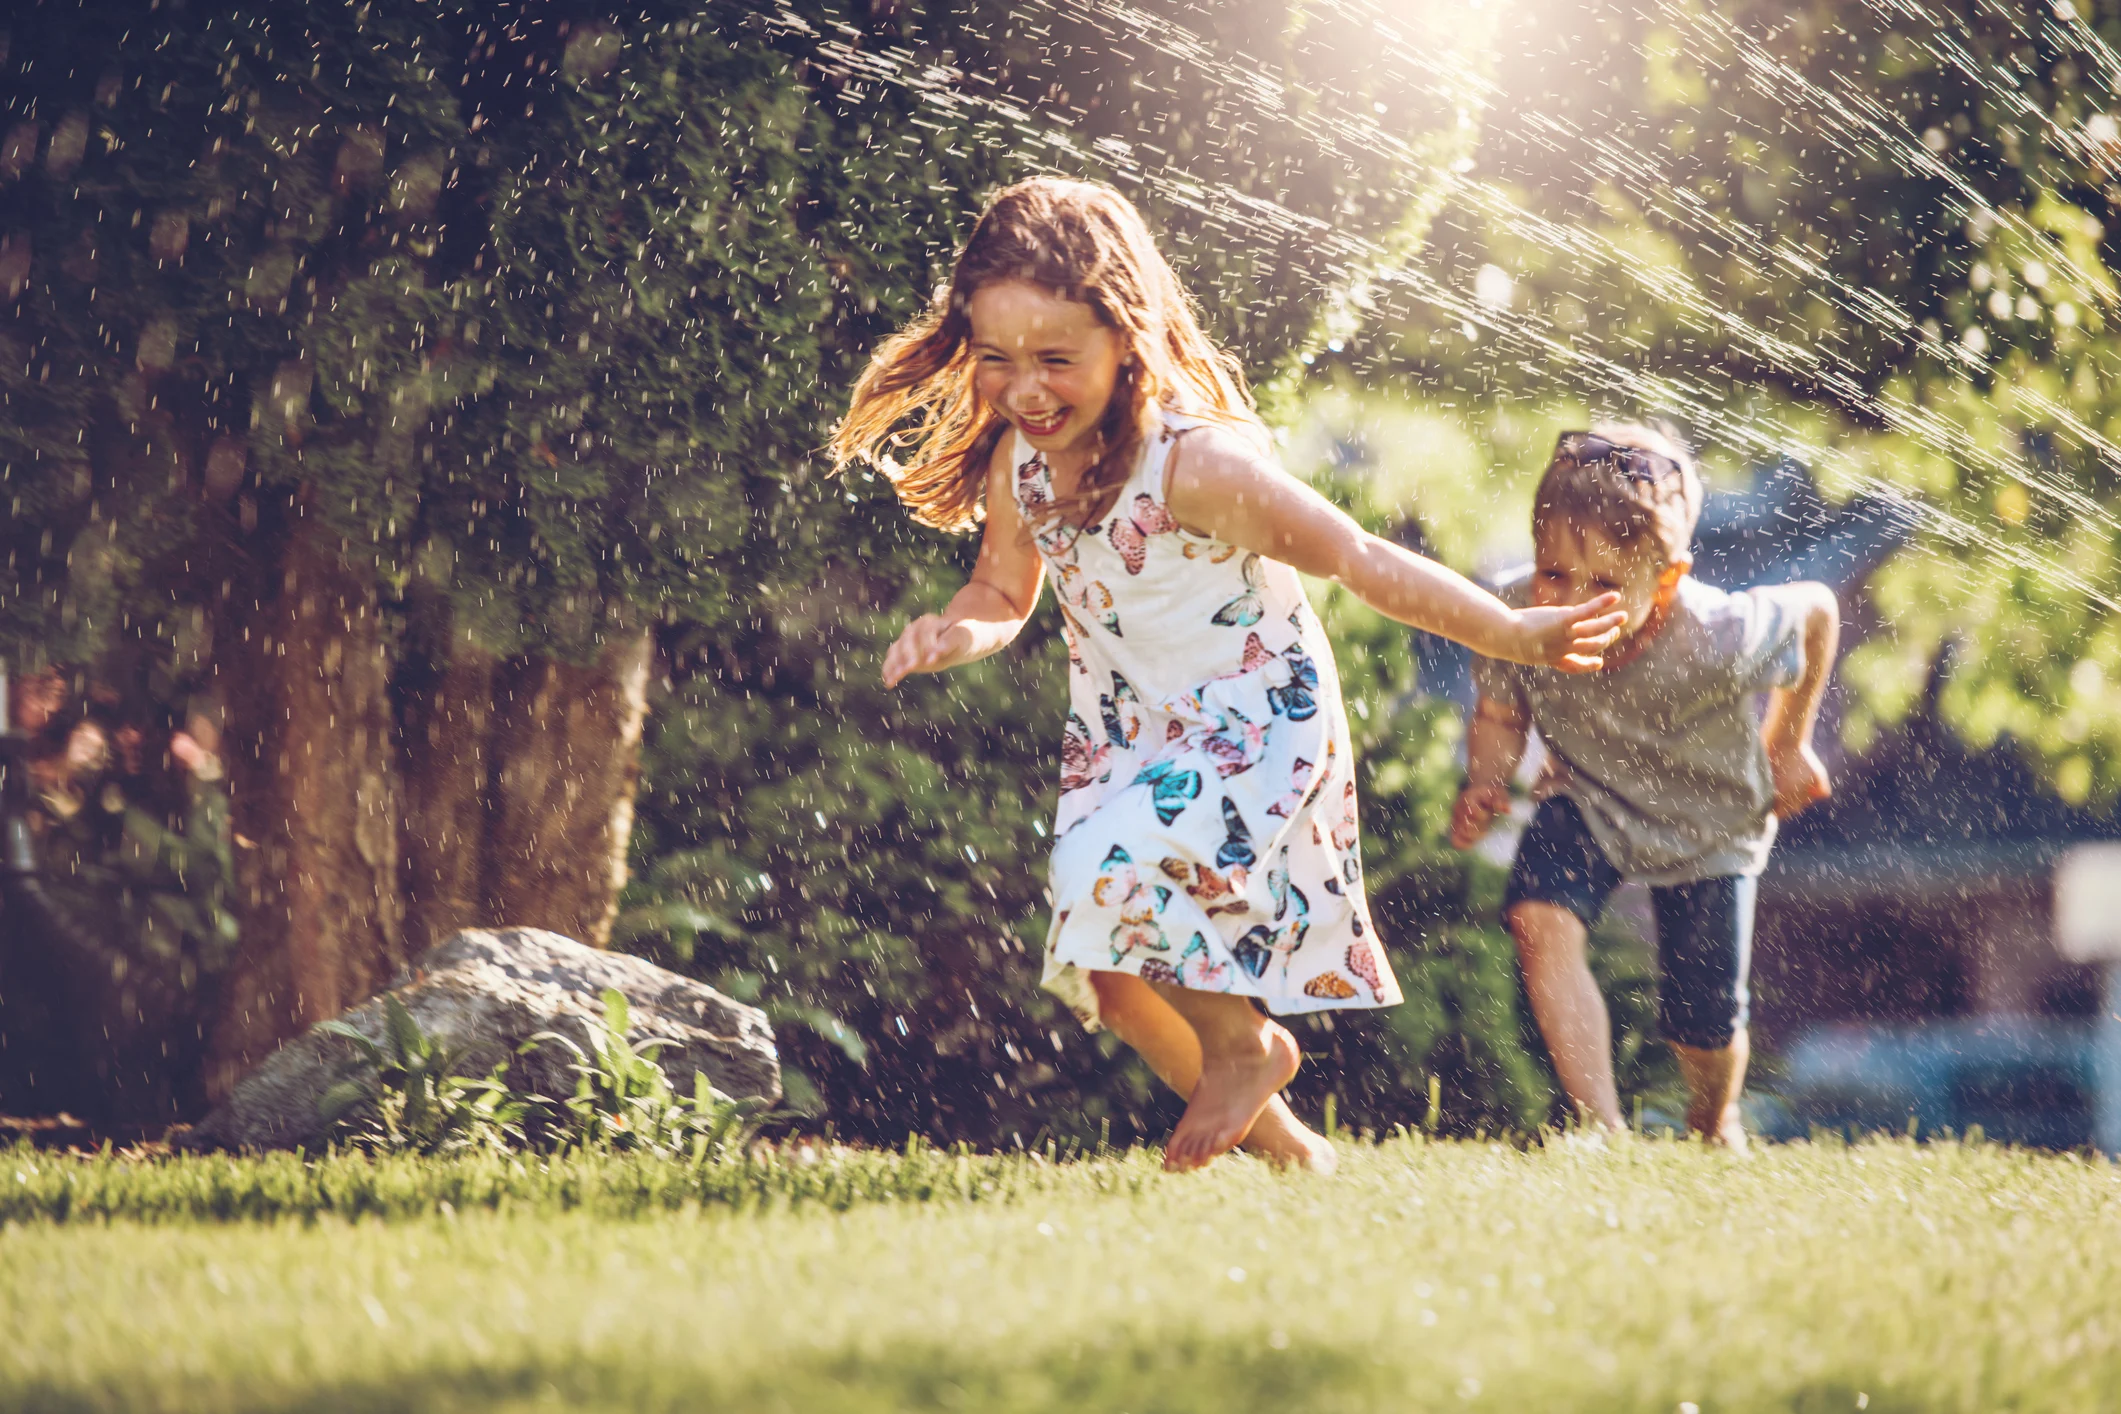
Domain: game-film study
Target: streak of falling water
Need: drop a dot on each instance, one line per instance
(1857, 122)
(1381, 274)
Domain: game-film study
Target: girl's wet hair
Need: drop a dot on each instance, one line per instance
(1636, 483)
(916, 412)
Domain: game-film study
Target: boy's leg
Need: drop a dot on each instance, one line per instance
(1704, 955)
(1133, 1011)
(1246, 1057)
(1714, 1081)
(1558, 884)
(1552, 947)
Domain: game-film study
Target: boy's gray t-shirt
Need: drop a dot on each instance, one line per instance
(1663, 754)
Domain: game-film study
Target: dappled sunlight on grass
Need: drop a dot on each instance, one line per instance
(1425, 1275)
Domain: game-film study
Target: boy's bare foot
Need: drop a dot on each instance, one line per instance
(1726, 1132)
(1232, 1092)
(1279, 1137)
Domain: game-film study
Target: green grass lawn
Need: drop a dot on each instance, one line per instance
(1648, 1276)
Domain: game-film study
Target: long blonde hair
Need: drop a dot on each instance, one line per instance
(1082, 241)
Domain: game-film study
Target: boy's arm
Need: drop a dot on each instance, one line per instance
(1800, 777)
(1495, 743)
(1223, 488)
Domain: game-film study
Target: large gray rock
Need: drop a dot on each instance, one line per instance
(485, 993)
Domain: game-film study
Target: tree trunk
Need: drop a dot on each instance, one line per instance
(500, 792)
(447, 721)
(567, 751)
(520, 777)
(314, 799)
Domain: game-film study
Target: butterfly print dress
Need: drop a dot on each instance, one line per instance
(1207, 826)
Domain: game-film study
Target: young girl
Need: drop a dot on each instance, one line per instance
(1206, 853)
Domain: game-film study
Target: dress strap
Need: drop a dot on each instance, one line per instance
(1155, 471)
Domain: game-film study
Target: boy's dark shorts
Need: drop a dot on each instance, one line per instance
(1704, 929)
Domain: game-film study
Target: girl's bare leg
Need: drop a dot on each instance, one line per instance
(1714, 1080)
(1131, 1009)
(1552, 944)
(1246, 1058)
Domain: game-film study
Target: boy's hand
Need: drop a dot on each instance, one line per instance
(1800, 777)
(1573, 637)
(1477, 807)
(929, 644)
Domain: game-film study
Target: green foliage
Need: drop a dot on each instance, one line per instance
(416, 1102)
(559, 354)
(1880, 238)
(545, 321)
(868, 866)
(623, 1100)
(138, 855)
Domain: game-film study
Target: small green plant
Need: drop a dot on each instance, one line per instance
(416, 1102)
(624, 1100)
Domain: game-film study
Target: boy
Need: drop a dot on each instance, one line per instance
(1660, 773)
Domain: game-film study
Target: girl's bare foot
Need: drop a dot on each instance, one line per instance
(1233, 1089)
(1281, 1138)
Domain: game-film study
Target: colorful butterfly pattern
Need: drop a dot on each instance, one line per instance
(1362, 962)
(1218, 892)
(1297, 699)
(1138, 903)
(1346, 832)
(1299, 782)
(1088, 597)
(1171, 786)
(1220, 678)
(1254, 952)
(1130, 532)
(1200, 969)
(1082, 764)
(1331, 986)
(1237, 744)
(1236, 850)
(1249, 607)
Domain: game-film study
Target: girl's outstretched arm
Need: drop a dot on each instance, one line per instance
(1223, 487)
(988, 613)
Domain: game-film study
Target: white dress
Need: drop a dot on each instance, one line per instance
(1207, 831)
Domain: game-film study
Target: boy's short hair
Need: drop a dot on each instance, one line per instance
(1651, 497)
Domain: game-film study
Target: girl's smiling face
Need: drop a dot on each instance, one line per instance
(1045, 363)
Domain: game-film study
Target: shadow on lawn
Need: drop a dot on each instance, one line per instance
(1182, 1376)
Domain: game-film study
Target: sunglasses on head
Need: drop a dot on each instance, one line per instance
(1637, 463)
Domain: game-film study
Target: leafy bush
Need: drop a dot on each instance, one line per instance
(623, 1099)
(416, 1102)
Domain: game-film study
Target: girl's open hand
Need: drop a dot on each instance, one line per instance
(1573, 637)
(1477, 807)
(929, 644)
